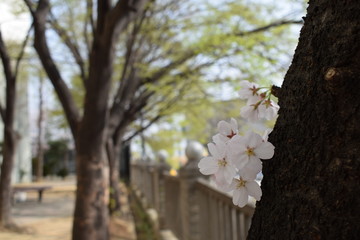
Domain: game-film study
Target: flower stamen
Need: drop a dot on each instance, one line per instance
(222, 163)
(241, 183)
(250, 151)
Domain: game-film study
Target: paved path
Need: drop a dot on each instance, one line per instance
(49, 220)
(52, 218)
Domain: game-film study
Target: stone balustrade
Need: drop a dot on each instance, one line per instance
(187, 206)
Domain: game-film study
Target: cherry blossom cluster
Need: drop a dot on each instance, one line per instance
(235, 160)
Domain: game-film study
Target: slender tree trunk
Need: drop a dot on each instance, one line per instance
(311, 187)
(5, 179)
(40, 152)
(9, 138)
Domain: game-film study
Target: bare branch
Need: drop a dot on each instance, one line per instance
(30, 5)
(2, 112)
(22, 51)
(72, 46)
(89, 19)
(267, 27)
(143, 128)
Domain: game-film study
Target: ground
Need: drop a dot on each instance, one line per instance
(52, 218)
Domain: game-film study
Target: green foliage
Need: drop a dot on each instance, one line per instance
(62, 172)
(143, 225)
(54, 158)
(183, 52)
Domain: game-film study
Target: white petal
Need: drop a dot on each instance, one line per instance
(234, 125)
(229, 173)
(265, 136)
(213, 150)
(253, 189)
(239, 160)
(248, 112)
(208, 165)
(236, 197)
(245, 84)
(223, 185)
(224, 128)
(241, 196)
(265, 150)
(248, 174)
(232, 186)
(254, 100)
(220, 175)
(237, 144)
(221, 149)
(253, 139)
(220, 138)
(254, 164)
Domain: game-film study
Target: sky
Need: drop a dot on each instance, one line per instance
(12, 27)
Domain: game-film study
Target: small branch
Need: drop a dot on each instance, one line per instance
(89, 20)
(143, 128)
(2, 112)
(267, 27)
(21, 54)
(30, 4)
(72, 46)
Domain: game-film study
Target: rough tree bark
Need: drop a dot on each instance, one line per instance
(311, 187)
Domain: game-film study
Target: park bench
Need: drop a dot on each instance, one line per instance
(39, 189)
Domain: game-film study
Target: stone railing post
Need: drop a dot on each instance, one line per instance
(162, 167)
(188, 200)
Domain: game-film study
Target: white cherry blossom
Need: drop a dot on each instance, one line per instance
(268, 109)
(248, 89)
(249, 148)
(226, 130)
(251, 110)
(217, 163)
(243, 187)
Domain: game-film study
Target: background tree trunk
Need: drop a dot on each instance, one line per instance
(311, 187)
(40, 150)
(5, 180)
(10, 138)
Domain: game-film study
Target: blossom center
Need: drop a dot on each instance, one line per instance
(241, 183)
(231, 134)
(267, 103)
(222, 163)
(254, 90)
(250, 151)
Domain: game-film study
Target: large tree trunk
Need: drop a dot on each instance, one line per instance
(311, 187)
(91, 213)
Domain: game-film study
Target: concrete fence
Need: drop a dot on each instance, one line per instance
(187, 205)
